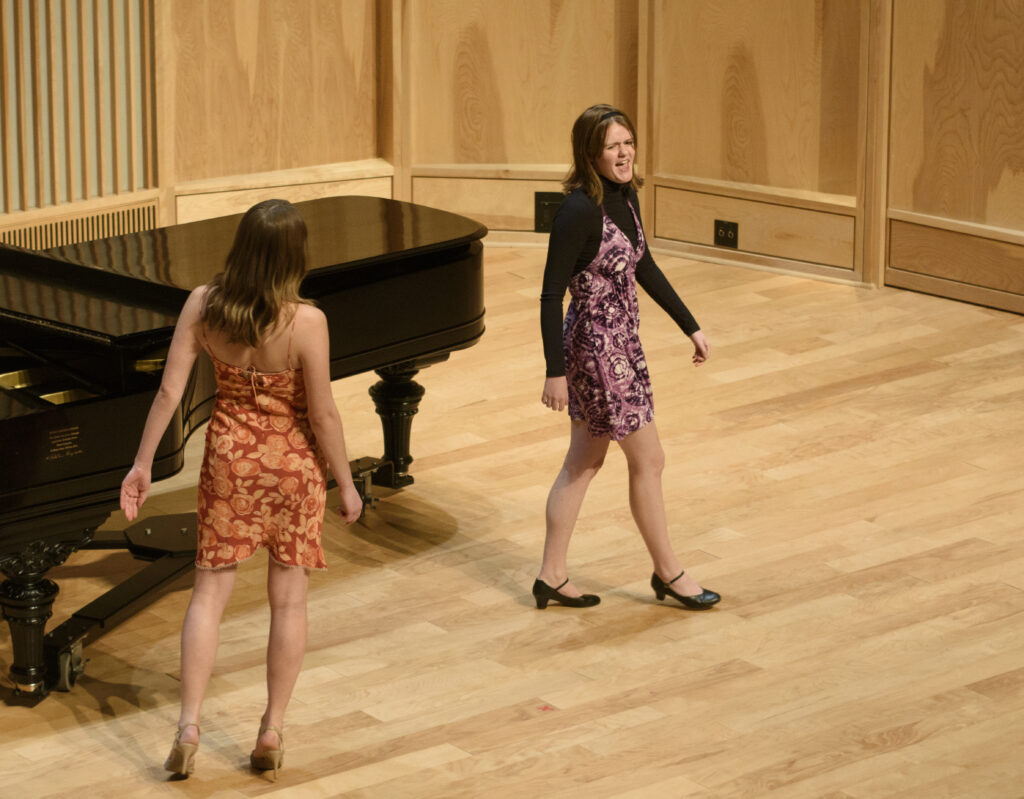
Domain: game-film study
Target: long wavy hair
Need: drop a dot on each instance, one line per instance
(261, 275)
(588, 132)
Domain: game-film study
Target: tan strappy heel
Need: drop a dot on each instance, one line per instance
(182, 759)
(271, 758)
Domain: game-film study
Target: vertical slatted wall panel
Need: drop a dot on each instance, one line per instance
(5, 117)
(76, 101)
(147, 109)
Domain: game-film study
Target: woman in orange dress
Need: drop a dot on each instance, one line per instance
(274, 431)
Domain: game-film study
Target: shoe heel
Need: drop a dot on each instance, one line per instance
(271, 759)
(659, 594)
(182, 759)
(542, 602)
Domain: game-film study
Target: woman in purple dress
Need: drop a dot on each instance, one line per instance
(595, 363)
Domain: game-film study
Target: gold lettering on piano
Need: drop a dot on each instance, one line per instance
(64, 443)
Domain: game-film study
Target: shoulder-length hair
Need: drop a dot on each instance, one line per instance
(261, 275)
(588, 134)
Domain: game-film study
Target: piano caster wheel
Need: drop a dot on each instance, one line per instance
(362, 475)
(70, 664)
(365, 487)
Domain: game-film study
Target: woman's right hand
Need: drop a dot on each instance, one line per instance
(134, 489)
(351, 507)
(556, 393)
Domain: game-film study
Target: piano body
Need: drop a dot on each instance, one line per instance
(85, 328)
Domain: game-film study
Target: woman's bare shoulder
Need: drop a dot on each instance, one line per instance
(308, 316)
(309, 327)
(197, 297)
(193, 308)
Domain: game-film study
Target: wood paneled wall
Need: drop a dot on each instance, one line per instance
(251, 88)
(263, 85)
(759, 93)
(866, 140)
(956, 173)
(757, 117)
(498, 85)
(501, 83)
(958, 110)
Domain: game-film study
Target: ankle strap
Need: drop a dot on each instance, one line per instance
(676, 577)
(185, 726)
(560, 587)
(271, 728)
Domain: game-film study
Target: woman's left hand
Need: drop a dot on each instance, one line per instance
(351, 507)
(701, 348)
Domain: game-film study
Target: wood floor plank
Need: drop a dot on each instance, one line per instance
(847, 470)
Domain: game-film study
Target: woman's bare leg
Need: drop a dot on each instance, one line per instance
(199, 635)
(646, 461)
(286, 588)
(582, 462)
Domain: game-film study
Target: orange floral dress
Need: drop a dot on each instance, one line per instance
(262, 483)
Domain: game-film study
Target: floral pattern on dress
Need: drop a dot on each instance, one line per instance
(606, 371)
(262, 482)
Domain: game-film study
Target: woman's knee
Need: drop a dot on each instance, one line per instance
(648, 461)
(287, 587)
(583, 466)
(213, 586)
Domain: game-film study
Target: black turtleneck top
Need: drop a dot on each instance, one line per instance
(575, 240)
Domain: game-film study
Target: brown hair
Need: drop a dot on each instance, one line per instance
(588, 132)
(261, 275)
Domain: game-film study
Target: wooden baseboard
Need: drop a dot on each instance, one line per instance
(233, 194)
(721, 255)
(765, 229)
(968, 264)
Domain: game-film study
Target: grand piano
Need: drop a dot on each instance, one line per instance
(85, 329)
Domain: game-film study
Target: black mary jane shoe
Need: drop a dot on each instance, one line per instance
(702, 601)
(544, 593)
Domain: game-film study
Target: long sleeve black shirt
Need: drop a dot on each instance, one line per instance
(575, 240)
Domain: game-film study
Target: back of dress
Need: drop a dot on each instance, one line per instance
(263, 479)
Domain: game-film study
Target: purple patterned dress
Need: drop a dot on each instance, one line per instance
(605, 368)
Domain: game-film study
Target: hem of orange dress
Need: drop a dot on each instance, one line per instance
(253, 555)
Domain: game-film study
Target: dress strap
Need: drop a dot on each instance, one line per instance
(291, 333)
(641, 240)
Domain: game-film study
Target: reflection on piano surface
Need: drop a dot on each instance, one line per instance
(84, 330)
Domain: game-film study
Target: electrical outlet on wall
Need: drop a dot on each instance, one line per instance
(545, 204)
(727, 234)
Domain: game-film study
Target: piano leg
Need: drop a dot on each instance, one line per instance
(27, 599)
(397, 398)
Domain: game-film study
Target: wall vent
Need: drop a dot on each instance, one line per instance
(84, 227)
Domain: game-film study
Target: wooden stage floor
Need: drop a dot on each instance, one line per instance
(847, 471)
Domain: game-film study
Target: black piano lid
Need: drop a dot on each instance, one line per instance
(137, 282)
